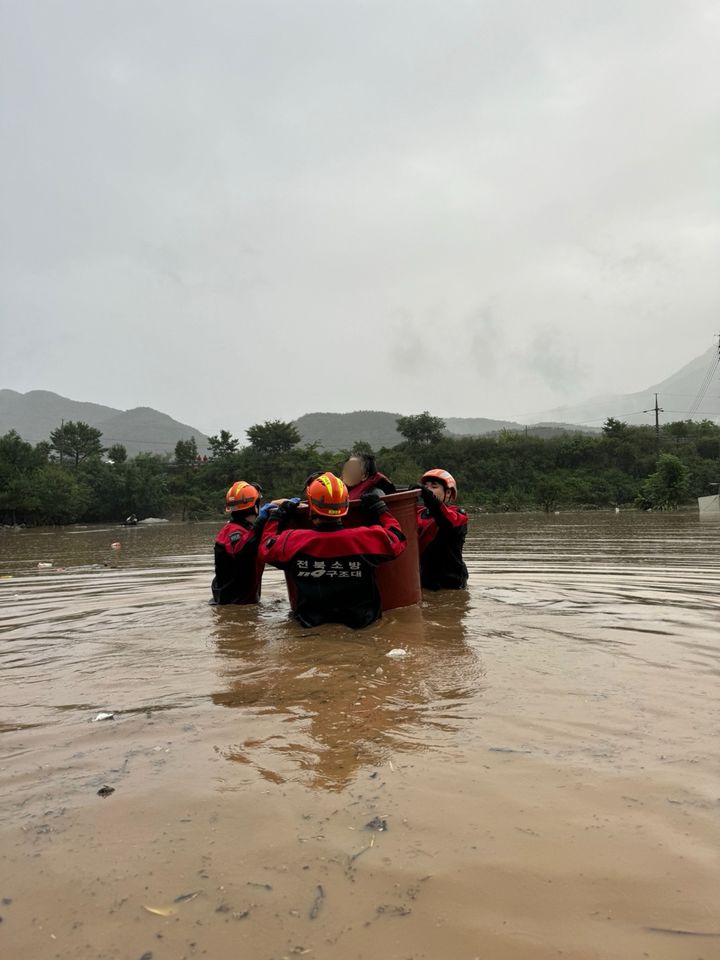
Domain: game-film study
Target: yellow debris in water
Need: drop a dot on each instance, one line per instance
(159, 911)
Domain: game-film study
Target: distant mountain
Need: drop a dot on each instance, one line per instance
(142, 429)
(676, 394)
(478, 426)
(338, 431)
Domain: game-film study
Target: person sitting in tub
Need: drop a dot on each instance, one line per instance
(331, 567)
(238, 568)
(360, 475)
(442, 527)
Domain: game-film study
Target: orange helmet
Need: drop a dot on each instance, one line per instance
(328, 496)
(447, 480)
(241, 496)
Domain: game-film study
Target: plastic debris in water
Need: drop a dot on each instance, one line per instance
(317, 902)
(44, 566)
(396, 653)
(103, 716)
(186, 897)
(376, 824)
(159, 911)
(393, 910)
(105, 791)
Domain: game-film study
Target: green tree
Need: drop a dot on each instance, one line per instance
(117, 453)
(422, 429)
(186, 452)
(273, 436)
(398, 464)
(547, 493)
(77, 442)
(19, 490)
(615, 428)
(361, 448)
(147, 486)
(668, 487)
(186, 482)
(222, 445)
(70, 497)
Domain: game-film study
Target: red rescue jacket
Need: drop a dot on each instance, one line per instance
(377, 482)
(442, 529)
(333, 569)
(238, 567)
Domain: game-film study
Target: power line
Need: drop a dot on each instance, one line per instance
(146, 443)
(658, 410)
(703, 388)
(617, 416)
(707, 380)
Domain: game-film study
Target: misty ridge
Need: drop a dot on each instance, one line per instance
(33, 415)
(499, 465)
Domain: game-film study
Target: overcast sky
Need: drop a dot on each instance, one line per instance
(237, 211)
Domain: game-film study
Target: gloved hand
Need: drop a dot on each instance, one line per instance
(265, 510)
(427, 496)
(373, 504)
(287, 508)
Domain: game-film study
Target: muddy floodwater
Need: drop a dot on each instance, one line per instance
(538, 777)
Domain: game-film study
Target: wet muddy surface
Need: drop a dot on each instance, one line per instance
(538, 777)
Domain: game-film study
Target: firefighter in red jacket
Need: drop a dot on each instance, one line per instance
(442, 527)
(238, 568)
(360, 475)
(331, 567)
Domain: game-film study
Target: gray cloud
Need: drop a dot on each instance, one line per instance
(556, 361)
(279, 207)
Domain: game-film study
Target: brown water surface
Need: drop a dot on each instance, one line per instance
(545, 758)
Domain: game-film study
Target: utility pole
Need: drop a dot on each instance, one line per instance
(657, 410)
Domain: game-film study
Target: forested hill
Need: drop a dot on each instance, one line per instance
(339, 431)
(140, 430)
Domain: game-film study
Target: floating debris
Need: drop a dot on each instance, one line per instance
(376, 824)
(393, 910)
(317, 902)
(507, 750)
(682, 933)
(262, 886)
(103, 716)
(186, 897)
(116, 546)
(44, 566)
(105, 791)
(159, 911)
(396, 653)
